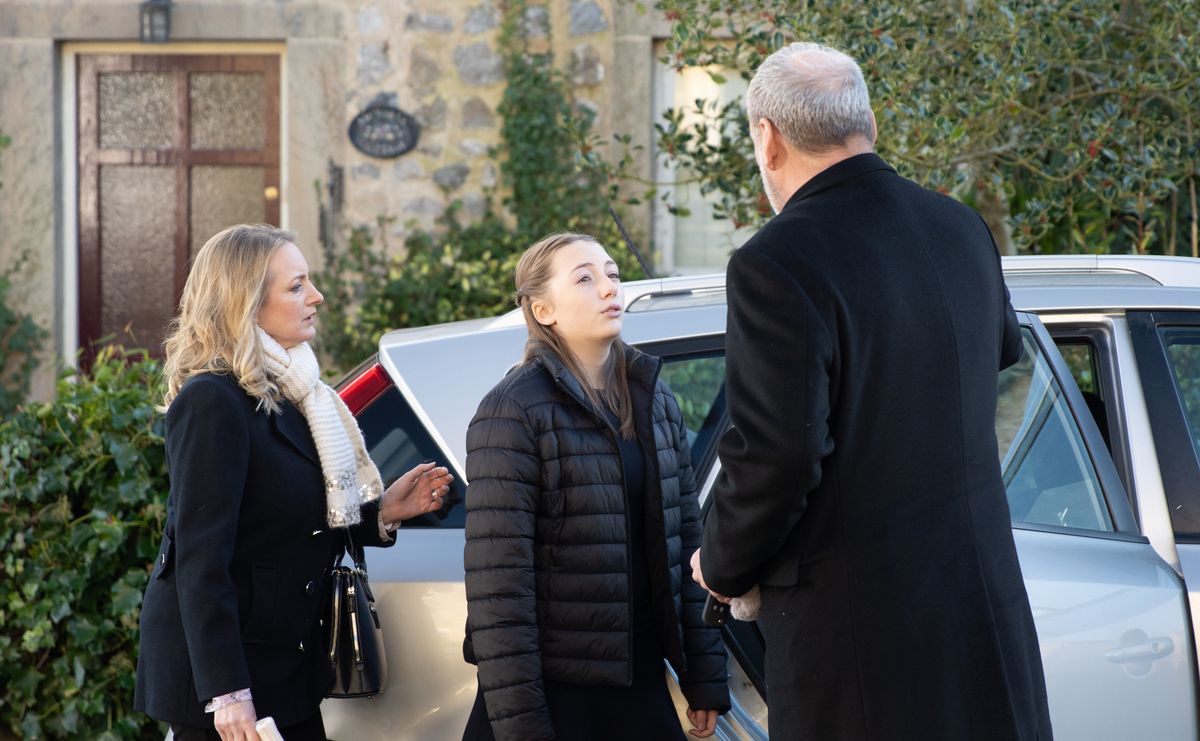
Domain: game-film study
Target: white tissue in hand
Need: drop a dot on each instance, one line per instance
(746, 607)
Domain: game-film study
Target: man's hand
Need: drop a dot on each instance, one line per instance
(703, 721)
(698, 577)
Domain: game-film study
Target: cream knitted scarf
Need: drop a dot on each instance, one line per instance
(350, 477)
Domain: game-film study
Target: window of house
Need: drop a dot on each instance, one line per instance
(694, 243)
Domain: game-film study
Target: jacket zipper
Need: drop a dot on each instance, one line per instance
(628, 555)
(613, 433)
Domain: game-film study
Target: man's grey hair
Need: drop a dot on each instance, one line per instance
(815, 95)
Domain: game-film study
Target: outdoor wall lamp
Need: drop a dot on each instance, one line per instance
(155, 21)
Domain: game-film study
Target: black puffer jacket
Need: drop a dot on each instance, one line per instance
(547, 555)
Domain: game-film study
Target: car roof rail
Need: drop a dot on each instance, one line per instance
(1102, 270)
(653, 294)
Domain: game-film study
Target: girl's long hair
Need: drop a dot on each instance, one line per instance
(534, 271)
(216, 329)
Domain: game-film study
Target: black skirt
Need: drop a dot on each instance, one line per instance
(643, 711)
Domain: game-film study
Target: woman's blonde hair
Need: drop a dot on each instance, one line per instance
(534, 271)
(216, 329)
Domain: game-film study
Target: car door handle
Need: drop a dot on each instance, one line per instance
(1148, 650)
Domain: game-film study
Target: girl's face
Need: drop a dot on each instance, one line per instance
(584, 301)
(289, 310)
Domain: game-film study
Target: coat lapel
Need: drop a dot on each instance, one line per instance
(290, 424)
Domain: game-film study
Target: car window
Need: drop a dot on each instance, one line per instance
(698, 382)
(1183, 352)
(1081, 360)
(1047, 471)
(397, 440)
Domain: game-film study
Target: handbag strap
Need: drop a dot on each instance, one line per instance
(357, 553)
(359, 557)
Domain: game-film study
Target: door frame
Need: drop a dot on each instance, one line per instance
(67, 147)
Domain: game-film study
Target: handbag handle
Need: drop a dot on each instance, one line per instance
(356, 551)
(335, 625)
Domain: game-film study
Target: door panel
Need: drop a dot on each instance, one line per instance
(1165, 344)
(220, 195)
(1117, 385)
(137, 203)
(172, 148)
(1177, 460)
(1113, 628)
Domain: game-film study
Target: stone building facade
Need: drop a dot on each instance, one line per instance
(126, 156)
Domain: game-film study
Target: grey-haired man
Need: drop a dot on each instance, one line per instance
(860, 483)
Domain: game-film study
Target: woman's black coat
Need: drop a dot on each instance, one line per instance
(240, 577)
(547, 556)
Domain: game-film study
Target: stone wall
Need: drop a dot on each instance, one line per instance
(27, 215)
(436, 59)
(440, 62)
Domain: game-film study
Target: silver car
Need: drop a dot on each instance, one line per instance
(1098, 425)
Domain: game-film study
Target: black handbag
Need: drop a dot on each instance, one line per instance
(354, 637)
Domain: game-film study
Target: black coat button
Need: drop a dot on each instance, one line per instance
(311, 588)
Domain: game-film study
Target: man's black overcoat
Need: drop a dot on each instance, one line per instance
(861, 483)
(239, 583)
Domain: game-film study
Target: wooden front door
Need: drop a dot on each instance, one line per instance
(172, 149)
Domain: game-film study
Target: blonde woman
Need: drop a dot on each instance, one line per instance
(581, 517)
(268, 473)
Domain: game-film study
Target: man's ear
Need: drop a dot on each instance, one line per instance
(874, 128)
(543, 313)
(772, 144)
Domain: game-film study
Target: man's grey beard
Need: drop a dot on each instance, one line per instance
(774, 197)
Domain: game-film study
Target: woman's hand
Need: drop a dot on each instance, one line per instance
(704, 722)
(417, 492)
(236, 722)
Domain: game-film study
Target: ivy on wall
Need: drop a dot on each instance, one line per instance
(552, 181)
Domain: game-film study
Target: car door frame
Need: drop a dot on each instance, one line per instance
(1105, 358)
(1125, 526)
(743, 640)
(1178, 459)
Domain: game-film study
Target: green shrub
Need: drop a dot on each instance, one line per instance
(1072, 123)
(82, 503)
(460, 272)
